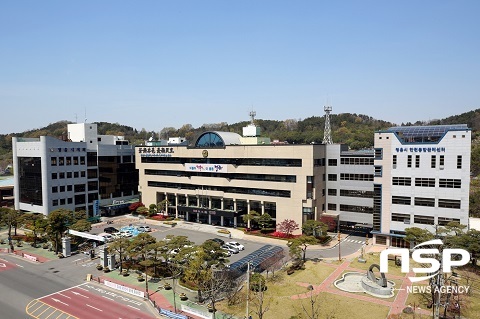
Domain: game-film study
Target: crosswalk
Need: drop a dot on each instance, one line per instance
(354, 241)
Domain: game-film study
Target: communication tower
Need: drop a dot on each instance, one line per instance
(327, 134)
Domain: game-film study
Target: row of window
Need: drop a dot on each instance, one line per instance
(433, 161)
(234, 190)
(420, 219)
(356, 161)
(63, 175)
(285, 162)
(62, 161)
(426, 202)
(356, 177)
(351, 193)
(252, 177)
(427, 182)
(351, 208)
(78, 188)
(77, 199)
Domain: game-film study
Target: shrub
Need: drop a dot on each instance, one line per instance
(169, 218)
(257, 282)
(267, 230)
(224, 231)
(140, 278)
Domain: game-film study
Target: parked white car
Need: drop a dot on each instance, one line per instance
(126, 233)
(236, 245)
(144, 229)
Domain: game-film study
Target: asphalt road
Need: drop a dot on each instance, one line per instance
(20, 283)
(348, 246)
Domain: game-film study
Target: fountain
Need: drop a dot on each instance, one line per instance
(368, 283)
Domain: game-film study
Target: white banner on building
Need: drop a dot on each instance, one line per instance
(126, 289)
(207, 168)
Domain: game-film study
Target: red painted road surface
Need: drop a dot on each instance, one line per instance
(92, 302)
(5, 265)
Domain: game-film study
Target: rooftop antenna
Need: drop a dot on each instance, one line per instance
(252, 116)
(85, 115)
(327, 134)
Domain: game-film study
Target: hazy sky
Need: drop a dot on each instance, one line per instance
(152, 64)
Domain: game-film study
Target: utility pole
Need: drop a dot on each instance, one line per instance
(437, 282)
(339, 253)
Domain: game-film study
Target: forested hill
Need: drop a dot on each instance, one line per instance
(356, 130)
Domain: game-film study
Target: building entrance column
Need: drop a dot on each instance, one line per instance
(176, 205)
(209, 219)
(235, 210)
(248, 212)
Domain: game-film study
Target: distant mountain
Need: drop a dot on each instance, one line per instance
(356, 130)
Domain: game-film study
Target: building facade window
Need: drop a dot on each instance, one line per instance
(404, 218)
(356, 161)
(402, 181)
(423, 201)
(53, 161)
(394, 161)
(332, 206)
(332, 177)
(54, 176)
(54, 189)
(378, 170)
(417, 161)
(459, 161)
(356, 177)
(356, 209)
(356, 193)
(332, 192)
(443, 221)
(425, 182)
(409, 160)
(450, 183)
(379, 153)
(442, 161)
(332, 162)
(449, 203)
(401, 200)
(433, 161)
(426, 220)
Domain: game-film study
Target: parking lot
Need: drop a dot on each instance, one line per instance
(197, 237)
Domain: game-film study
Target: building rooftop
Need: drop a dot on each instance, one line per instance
(423, 134)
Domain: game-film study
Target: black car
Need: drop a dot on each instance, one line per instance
(219, 241)
(110, 230)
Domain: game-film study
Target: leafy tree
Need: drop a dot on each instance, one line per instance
(58, 223)
(152, 209)
(469, 241)
(163, 205)
(139, 246)
(82, 225)
(37, 224)
(252, 216)
(298, 246)
(264, 220)
(330, 221)
(453, 228)
(120, 246)
(417, 235)
(288, 226)
(9, 217)
(197, 271)
(314, 228)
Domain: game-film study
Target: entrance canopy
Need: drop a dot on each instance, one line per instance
(86, 235)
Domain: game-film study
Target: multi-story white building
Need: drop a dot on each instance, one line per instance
(422, 178)
(73, 173)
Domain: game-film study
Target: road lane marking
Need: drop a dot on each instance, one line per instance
(108, 298)
(19, 265)
(77, 286)
(79, 294)
(83, 289)
(93, 307)
(64, 296)
(56, 300)
(133, 307)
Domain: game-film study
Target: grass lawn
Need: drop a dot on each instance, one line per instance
(278, 296)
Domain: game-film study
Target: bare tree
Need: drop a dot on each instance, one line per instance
(260, 303)
(216, 286)
(312, 309)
